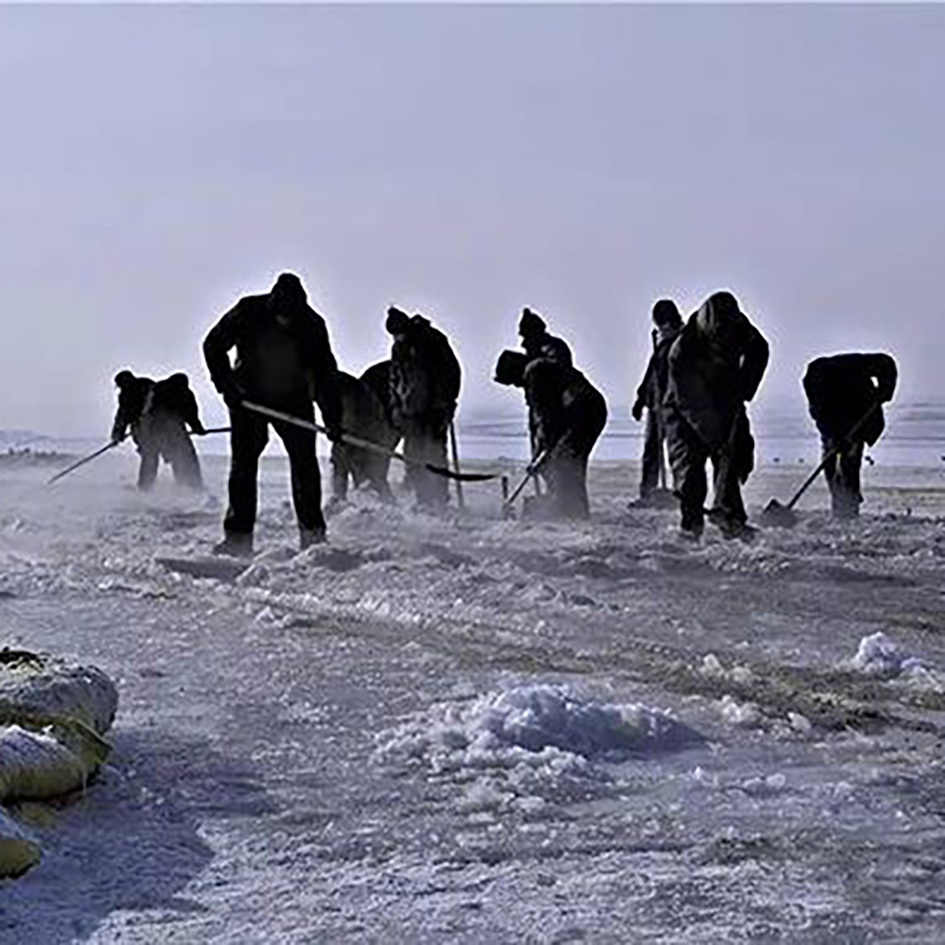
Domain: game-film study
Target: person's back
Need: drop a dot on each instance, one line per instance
(842, 388)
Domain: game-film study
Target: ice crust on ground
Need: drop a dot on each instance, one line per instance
(420, 731)
(880, 656)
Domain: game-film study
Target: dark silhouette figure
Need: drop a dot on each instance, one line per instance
(566, 415)
(715, 366)
(538, 343)
(667, 325)
(365, 412)
(841, 391)
(158, 415)
(283, 361)
(424, 388)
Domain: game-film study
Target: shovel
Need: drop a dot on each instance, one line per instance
(366, 444)
(784, 516)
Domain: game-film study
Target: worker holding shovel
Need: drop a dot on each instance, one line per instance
(283, 361)
(715, 366)
(844, 394)
(566, 415)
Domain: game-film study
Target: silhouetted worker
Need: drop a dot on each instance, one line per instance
(424, 388)
(538, 343)
(366, 414)
(283, 361)
(158, 415)
(714, 368)
(566, 415)
(667, 325)
(844, 394)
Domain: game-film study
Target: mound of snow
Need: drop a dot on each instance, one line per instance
(537, 720)
(877, 655)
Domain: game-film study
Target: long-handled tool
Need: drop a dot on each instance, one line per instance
(215, 430)
(784, 516)
(81, 462)
(459, 482)
(530, 471)
(366, 444)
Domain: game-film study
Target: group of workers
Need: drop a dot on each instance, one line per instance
(701, 374)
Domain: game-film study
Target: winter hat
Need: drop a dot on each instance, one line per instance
(666, 314)
(397, 321)
(531, 323)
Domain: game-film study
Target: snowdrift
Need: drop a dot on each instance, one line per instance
(52, 717)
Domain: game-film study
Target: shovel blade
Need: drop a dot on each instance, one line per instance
(778, 515)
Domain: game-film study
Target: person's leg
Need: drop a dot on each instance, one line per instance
(306, 476)
(148, 468)
(248, 437)
(652, 455)
(339, 472)
(687, 457)
(178, 450)
(846, 496)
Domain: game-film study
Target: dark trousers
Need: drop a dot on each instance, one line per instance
(653, 440)
(248, 438)
(167, 439)
(565, 472)
(425, 442)
(688, 454)
(843, 477)
(362, 466)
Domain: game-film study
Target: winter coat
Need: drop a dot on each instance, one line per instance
(714, 367)
(279, 360)
(173, 396)
(545, 345)
(424, 376)
(652, 388)
(133, 399)
(841, 389)
(559, 399)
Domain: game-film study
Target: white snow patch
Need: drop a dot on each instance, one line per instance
(743, 714)
(541, 726)
(877, 655)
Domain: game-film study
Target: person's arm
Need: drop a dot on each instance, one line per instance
(120, 424)
(326, 388)
(216, 350)
(192, 413)
(754, 362)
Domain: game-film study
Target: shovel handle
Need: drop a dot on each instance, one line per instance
(829, 455)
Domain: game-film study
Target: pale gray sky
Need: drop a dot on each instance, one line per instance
(159, 161)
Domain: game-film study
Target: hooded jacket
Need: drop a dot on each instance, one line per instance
(714, 367)
(424, 375)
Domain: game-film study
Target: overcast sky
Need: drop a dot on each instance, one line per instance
(157, 162)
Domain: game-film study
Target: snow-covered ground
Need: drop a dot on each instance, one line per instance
(470, 729)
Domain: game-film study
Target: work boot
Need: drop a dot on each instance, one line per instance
(236, 545)
(311, 536)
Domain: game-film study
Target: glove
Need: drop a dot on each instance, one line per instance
(637, 411)
(334, 432)
(199, 429)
